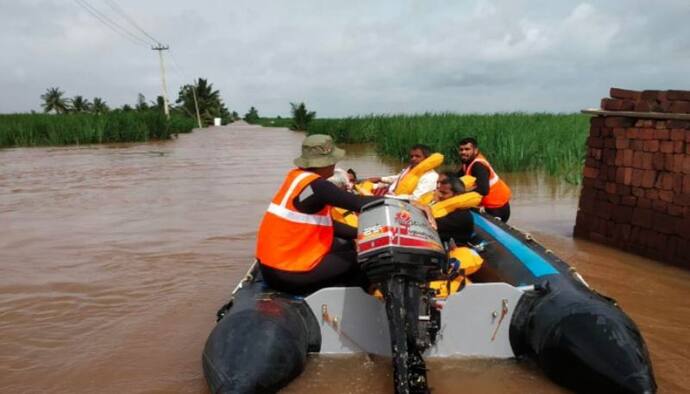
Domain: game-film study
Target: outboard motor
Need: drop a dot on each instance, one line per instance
(400, 252)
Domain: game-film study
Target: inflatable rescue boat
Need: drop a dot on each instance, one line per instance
(523, 302)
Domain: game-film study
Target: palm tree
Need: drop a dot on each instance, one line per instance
(141, 103)
(53, 101)
(210, 104)
(99, 106)
(301, 117)
(80, 104)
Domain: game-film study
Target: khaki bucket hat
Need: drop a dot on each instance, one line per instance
(319, 151)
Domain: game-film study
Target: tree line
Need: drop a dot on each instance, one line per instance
(209, 102)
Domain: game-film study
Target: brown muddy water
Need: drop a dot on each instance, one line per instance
(114, 260)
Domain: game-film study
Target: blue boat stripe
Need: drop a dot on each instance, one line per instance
(529, 258)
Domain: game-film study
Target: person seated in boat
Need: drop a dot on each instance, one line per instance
(426, 182)
(341, 179)
(352, 176)
(300, 249)
(496, 200)
(458, 224)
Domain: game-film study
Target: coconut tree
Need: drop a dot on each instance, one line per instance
(301, 117)
(53, 101)
(210, 103)
(80, 104)
(99, 106)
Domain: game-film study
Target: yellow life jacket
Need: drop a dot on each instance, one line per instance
(465, 200)
(409, 181)
(344, 216)
(365, 188)
(427, 198)
(470, 262)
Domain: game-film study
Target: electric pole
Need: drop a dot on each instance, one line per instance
(160, 48)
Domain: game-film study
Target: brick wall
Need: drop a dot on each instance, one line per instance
(636, 185)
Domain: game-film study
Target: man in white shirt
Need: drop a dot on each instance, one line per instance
(426, 183)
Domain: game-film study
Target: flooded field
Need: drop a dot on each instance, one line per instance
(114, 260)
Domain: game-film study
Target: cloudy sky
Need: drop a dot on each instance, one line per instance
(348, 57)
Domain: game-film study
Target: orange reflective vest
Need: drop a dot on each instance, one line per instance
(290, 240)
(499, 192)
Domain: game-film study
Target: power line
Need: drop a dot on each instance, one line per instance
(111, 24)
(116, 7)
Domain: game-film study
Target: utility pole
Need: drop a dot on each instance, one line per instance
(160, 48)
(196, 105)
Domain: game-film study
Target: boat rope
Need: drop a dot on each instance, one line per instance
(333, 322)
(504, 312)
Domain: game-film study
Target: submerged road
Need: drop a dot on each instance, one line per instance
(114, 259)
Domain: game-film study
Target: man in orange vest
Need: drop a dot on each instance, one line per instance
(299, 247)
(496, 201)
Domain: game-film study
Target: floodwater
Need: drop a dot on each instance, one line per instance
(114, 260)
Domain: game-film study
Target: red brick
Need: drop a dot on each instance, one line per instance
(642, 217)
(631, 132)
(636, 177)
(599, 183)
(666, 147)
(609, 142)
(680, 107)
(603, 209)
(646, 134)
(686, 184)
(617, 104)
(628, 157)
(606, 131)
(664, 223)
(619, 158)
(611, 173)
(678, 134)
(595, 153)
(637, 191)
(651, 194)
(659, 205)
(637, 160)
(619, 132)
(614, 199)
(686, 165)
(683, 228)
(610, 187)
(644, 123)
(650, 95)
(678, 146)
(682, 199)
(666, 195)
(644, 203)
(609, 156)
(648, 178)
(590, 172)
(595, 142)
(629, 201)
(649, 146)
(624, 190)
(657, 161)
(625, 94)
(677, 183)
(672, 95)
(660, 125)
(647, 106)
(619, 121)
(647, 161)
(625, 231)
(622, 214)
(664, 181)
(592, 162)
(675, 210)
(662, 134)
(678, 124)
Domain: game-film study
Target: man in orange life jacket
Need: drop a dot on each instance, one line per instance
(496, 201)
(300, 249)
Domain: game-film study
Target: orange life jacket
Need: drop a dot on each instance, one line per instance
(499, 192)
(290, 240)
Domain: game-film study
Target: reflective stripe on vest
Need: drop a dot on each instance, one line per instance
(290, 240)
(499, 192)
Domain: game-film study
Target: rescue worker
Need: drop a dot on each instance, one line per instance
(496, 200)
(426, 183)
(299, 247)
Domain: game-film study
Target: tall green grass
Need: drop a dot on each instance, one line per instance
(554, 143)
(44, 129)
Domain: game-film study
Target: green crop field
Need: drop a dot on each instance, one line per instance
(44, 129)
(553, 143)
